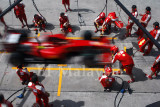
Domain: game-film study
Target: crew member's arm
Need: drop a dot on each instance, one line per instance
(114, 59)
(103, 27)
(96, 21)
(147, 19)
(67, 21)
(141, 14)
(156, 62)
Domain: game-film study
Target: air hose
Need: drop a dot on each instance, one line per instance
(121, 90)
(14, 93)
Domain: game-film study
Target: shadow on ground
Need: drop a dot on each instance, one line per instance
(67, 103)
(139, 74)
(113, 30)
(135, 44)
(75, 28)
(121, 34)
(83, 10)
(156, 104)
(153, 52)
(41, 78)
(24, 30)
(117, 85)
(49, 26)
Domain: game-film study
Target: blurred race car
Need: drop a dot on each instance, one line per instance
(56, 49)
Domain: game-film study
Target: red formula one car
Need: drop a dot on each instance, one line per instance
(56, 49)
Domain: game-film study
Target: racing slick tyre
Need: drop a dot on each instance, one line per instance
(16, 59)
(87, 35)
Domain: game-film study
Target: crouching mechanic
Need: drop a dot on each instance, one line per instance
(64, 23)
(155, 34)
(39, 21)
(99, 21)
(4, 103)
(125, 59)
(130, 22)
(111, 18)
(39, 91)
(106, 79)
(155, 68)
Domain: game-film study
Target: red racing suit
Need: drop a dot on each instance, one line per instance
(19, 11)
(107, 24)
(126, 61)
(146, 18)
(24, 75)
(40, 93)
(106, 82)
(111, 18)
(64, 23)
(99, 20)
(130, 22)
(6, 104)
(155, 33)
(156, 67)
(65, 2)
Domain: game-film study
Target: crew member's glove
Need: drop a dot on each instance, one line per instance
(97, 25)
(101, 34)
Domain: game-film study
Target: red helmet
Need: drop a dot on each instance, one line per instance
(112, 16)
(114, 49)
(108, 70)
(102, 15)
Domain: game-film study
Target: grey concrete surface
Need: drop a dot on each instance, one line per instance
(82, 88)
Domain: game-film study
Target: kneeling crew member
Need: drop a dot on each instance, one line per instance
(106, 79)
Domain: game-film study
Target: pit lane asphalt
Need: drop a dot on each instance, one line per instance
(82, 88)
